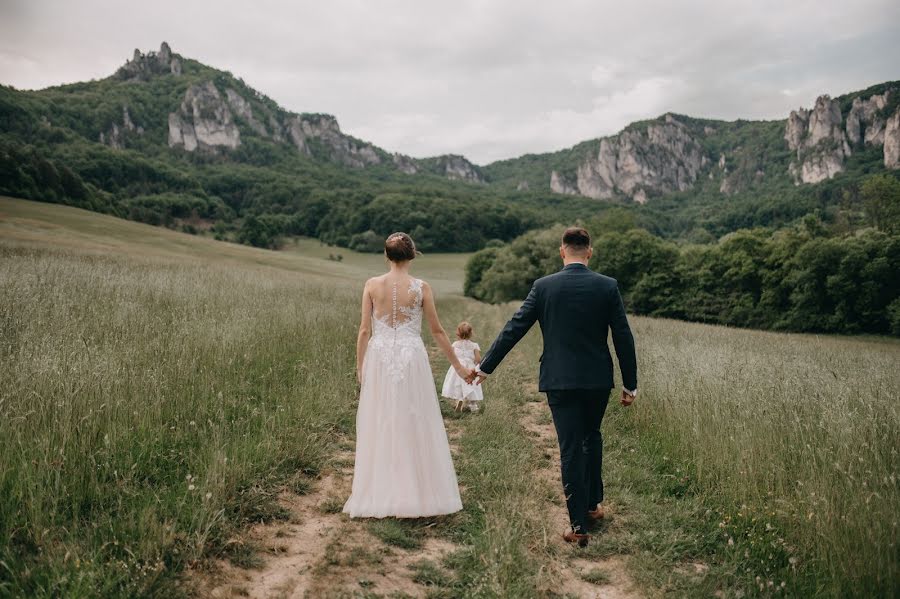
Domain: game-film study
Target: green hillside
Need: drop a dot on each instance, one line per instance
(170, 141)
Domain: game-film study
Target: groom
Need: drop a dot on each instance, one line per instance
(576, 308)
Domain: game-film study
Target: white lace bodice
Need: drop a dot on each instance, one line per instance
(405, 316)
(397, 335)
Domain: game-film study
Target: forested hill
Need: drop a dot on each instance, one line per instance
(171, 141)
(677, 153)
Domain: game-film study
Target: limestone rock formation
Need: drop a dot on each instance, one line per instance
(559, 184)
(662, 157)
(892, 141)
(405, 164)
(203, 121)
(241, 107)
(817, 136)
(459, 168)
(339, 147)
(144, 66)
(114, 137)
(865, 123)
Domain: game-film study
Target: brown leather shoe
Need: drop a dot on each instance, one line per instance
(597, 514)
(574, 537)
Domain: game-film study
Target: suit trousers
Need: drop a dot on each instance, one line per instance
(577, 415)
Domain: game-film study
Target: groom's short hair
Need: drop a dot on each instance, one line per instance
(576, 239)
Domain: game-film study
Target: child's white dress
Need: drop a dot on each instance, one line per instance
(454, 385)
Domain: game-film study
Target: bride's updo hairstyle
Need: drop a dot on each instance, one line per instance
(399, 247)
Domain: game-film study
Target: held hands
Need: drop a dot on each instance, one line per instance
(474, 378)
(627, 398)
(466, 374)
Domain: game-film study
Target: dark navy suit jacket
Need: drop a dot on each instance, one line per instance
(576, 309)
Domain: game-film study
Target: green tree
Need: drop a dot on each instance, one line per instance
(881, 198)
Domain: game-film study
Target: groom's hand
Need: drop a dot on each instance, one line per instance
(480, 378)
(627, 398)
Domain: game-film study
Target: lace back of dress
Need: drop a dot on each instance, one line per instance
(394, 305)
(404, 312)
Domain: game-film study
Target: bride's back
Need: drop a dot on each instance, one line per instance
(396, 298)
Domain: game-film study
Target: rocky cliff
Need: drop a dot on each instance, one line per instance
(160, 97)
(823, 139)
(214, 115)
(676, 153)
(459, 168)
(660, 158)
(204, 121)
(324, 129)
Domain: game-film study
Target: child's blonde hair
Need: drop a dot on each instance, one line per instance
(464, 330)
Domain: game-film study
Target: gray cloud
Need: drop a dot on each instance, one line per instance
(490, 80)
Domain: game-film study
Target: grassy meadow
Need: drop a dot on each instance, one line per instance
(158, 390)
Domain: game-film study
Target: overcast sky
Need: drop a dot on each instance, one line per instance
(489, 79)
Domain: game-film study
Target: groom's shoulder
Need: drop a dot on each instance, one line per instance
(547, 279)
(605, 280)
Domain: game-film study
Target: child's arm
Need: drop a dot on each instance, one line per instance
(477, 356)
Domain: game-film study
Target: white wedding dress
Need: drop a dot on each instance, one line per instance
(403, 466)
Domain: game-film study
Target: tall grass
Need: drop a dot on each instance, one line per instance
(147, 409)
(796, 437)
(150, 406)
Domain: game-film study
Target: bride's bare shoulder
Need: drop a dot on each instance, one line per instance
(370, 285)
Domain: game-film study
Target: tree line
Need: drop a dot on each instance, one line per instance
(800, 278)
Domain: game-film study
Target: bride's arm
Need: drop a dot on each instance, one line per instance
(365, 331)
(438, 332)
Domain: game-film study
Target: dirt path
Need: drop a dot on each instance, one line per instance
(572, 574)
(320, 552)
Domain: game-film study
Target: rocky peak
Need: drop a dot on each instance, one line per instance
(825, 122)
(659, 158)
(204, 121)
(459, 168)
(144, 66)
(817, 137)
(823, 141)
(865, 123)
(405, 164)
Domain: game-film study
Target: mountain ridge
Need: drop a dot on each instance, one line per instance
(615, 171)
(167, 138)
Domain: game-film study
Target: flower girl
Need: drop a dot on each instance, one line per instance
(469, 354)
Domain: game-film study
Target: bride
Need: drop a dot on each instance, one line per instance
(403, 466)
